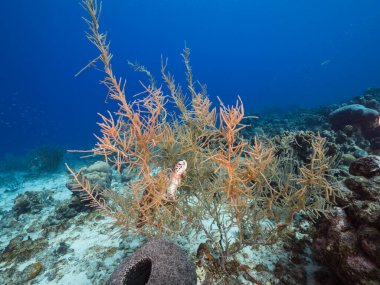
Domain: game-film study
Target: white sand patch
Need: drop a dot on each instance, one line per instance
(23, 265)
(88, 235)
(92, 248)
(71, 277)
(92, 251)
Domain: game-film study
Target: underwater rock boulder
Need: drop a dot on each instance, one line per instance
(99, 166)
(338, 245)
(347, 241)
(354, 114)
(29, 202)
(289, 273)
(98, 174)
(366, 166)
(69, 209)
(369, 99)
(373, 104)
(370, 242)
(158, 262)
(366, 189)
(364, 212)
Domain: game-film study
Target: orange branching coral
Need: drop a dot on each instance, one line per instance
(230, 149)
(192, 169)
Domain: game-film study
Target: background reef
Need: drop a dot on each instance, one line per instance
(49, 237)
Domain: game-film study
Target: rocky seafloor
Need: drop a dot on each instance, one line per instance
(49, 237)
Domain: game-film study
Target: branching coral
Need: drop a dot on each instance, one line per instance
(230, 187)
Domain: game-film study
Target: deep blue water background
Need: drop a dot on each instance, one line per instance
(268, 52)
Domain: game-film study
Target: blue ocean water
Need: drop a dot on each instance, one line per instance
(251, 219)
(276, 55)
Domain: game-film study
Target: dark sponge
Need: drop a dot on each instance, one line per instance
(158, 262)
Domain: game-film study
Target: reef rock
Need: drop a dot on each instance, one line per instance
(20, 249)
(354, 114)
(348, 240)
(69, 209)
(364, 212)
(369, 238)
(338, 246)
(366, 166)
(366, 189)
(369, 99)
(98, 174)
(29, 202)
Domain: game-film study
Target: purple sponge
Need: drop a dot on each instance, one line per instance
(158, 262)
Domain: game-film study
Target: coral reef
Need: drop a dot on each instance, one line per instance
(235, 192)
(36, 209)
(354, 114)
(356, 144)
(44, 159)
(348, 240)
(99, 174)
(29, 202)
(367, 166)
(243, 206)
(369, 131)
